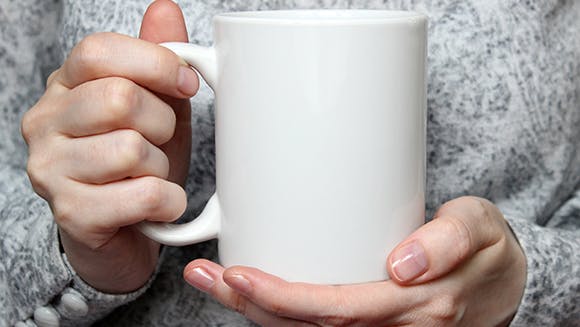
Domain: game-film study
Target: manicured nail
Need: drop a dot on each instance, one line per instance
(409, 262)
(187, 81)
(240, 284)
(200, 279)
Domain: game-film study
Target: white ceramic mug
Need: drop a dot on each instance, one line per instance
(320, 141)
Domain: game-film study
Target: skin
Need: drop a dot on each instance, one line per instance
(474, 275)
(109, 146)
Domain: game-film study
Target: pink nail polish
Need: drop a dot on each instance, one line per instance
(200, 279)
(409, 262)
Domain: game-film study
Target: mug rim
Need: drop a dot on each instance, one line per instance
(319, 17)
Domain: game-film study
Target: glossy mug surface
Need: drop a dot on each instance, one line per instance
(320, 141)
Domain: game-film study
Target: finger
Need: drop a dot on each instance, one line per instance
(112, 103)
(384, 302)
(104, 55)
(105, 208)
(162, 22)
(460, 228)
(207, 277)
(113, 156)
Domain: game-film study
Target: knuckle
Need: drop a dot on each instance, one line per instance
(474, 222)
(169, 123)
(166, 165)
(488, 219)
(451, 206)
(338, 320)
(462, 235)
(277, 308)
(28, 125)
(63, 211)
(340, 314)
(89, 52)
(33, 122)
(478, 206)
(150, 195)
(446, 309)
(122, 98)
(132, 149)
(238, 303)
(36, 169)
(51, 77)
(41, 119)
(489, 215)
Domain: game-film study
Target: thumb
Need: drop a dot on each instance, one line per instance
(459, 229)
(163, 22)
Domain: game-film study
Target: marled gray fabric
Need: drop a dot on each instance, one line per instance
(504, 123)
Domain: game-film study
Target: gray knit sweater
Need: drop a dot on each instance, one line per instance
(503, 123)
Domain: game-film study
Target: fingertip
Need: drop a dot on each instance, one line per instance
(202, 274)
(161, 200)
(187, 81)
(407, 262)
(179, 200)
(163, 21)
(193, 264)
(204, 263)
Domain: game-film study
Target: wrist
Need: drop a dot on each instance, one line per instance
(122, 265)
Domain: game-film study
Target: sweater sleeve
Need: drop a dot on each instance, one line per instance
(552, 292)
(36, 281)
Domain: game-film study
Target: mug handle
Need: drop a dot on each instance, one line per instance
(207, 225)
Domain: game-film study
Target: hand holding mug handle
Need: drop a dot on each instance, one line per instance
(207, 225)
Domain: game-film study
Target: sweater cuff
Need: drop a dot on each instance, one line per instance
(99, 304)
(552, 256)
(68, 300)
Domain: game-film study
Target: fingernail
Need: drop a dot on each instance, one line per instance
(409, 262)
(200, 279)
(187, 81)
(240, 284)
